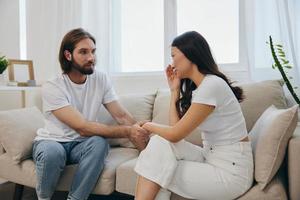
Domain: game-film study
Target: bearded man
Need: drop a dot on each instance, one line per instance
(72, 135)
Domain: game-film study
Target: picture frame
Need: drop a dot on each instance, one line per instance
(20, 71)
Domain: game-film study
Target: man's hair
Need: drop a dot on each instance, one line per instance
(68, 43)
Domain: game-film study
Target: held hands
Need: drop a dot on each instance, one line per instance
(173, 80)
(139, 136)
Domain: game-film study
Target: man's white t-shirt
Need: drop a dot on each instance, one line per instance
(226, 124)
(87, 98)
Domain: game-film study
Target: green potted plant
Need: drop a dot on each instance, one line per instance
(282, 64)
(3, 66)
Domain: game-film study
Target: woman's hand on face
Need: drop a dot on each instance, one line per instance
(173, 80)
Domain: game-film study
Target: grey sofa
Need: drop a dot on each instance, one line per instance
(118, 174)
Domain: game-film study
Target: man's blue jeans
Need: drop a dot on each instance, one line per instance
(51, 157)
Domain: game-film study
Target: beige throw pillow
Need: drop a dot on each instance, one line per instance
(140, 107)
(18, 129)
(270, 136)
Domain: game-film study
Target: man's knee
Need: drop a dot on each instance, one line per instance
(49, 151)
(97, 144)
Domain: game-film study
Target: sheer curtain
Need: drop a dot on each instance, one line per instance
(281, 20)
(49, 21)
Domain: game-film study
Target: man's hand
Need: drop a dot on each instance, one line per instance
(139, 136)
(141, 123)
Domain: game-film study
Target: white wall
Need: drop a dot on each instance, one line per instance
(9, 29)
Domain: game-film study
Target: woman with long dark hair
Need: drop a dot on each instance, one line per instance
(201, 97)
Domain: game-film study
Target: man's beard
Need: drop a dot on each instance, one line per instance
(83, 69)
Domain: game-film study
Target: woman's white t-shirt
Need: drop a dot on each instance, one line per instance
(226, 124)
(87, 98)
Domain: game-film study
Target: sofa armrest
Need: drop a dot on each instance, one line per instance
(294, 166)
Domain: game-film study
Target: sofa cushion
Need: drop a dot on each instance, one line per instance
(24, 173)
(139, 105)
(18, 129)
(270, 136)
(107, 180)
(161, 115)
(258, 97)
(294, 165)
(126, 177)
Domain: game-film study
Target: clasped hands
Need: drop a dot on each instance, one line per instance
(139, 136)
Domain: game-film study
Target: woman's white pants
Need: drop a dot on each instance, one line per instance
(212, 172)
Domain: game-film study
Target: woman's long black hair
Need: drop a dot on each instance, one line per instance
(196, 49)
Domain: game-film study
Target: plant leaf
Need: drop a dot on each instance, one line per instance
(282, 55)
(288, 66)
(280, 51)
(284, 61)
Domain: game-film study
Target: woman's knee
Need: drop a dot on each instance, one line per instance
(158, 142)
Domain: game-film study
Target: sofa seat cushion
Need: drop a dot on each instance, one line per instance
(126, 177)
(24, 173)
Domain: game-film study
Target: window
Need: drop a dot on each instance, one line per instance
(217, 21)
(138, 35)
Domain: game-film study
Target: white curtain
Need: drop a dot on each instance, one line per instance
(49, 21)
(281, 20)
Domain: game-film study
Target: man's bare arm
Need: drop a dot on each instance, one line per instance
(138, 136)
(74, 119)
(119, 113)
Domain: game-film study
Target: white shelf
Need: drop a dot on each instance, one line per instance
(23, 91)
(17, 88)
